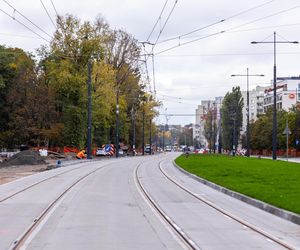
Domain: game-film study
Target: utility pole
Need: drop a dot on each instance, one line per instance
(150, 137)
(89, 129)
(117, 123)
(214, 127)
(233, 137)
(143, 136)
(133, 131)
(164, 128)
(274, 133)
(248, 112)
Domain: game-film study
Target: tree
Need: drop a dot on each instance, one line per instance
(261, 132)
(232, 119)
(210, 128)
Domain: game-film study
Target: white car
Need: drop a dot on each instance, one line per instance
(101, 152)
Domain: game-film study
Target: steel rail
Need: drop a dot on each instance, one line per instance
(17, 244)
(182, 235)
(226, 213)
(35, 184)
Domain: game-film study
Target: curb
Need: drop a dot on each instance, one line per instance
(284, 214)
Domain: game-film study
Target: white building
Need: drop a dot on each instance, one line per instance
(256, 100)
(287, 93)
(201, 116)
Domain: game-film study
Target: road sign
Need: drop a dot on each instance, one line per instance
(287, 131)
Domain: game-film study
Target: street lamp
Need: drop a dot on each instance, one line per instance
(274, 134)
(89, 129)
(117, 122)
(248, 111)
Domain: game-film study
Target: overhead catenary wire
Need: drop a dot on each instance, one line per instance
(164, 25)
(35, 25)
(54, 8)
(158, 19)
(228, 54)
(215, 23)
(265, 17)
(226, 30)
(24, 25)
(48, 14)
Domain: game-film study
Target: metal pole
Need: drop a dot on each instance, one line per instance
(164, 138)
(117, 124)
(133, 132)
(150, 139)
(274, 134)
(143, 136)
(287, 140)
(220, 133)
(248, 117)
(89, 129)
(234, 144)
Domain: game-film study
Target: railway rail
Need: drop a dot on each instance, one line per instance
(20, 242)
(180, 232)
(226, 213)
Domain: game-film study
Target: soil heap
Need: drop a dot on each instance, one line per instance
(26, 157)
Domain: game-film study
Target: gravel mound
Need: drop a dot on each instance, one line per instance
(27, 157)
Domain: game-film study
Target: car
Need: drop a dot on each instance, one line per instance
(121, 152)
(101, 152)
(147, 149)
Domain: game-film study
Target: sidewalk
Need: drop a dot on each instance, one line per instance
(290, 159)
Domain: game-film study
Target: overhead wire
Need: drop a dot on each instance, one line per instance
(153, 45)
(35, 25)
(158, 19)
(54, 8)
(228, 54)
(164, 25)
(226, 30)
(48, 14)
(265, 17)
(217, 22)
(24, 25)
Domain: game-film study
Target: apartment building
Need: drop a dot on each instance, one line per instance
(256, 105)
(287, 93)
(201, 116)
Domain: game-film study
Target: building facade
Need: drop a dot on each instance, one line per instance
(287, 93)
(201, 117)
(256, 105)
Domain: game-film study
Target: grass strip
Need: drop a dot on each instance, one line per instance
(274, 182)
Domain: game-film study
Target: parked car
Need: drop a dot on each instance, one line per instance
(147, 149)
(101, 152)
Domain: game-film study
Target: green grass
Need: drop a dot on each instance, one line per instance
(274, 182)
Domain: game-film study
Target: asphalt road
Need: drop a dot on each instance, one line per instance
(104, 208)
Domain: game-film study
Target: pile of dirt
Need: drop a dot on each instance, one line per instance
(27, 157)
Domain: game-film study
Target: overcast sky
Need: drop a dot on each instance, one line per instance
(193, 72)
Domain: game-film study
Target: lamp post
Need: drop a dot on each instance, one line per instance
(133, 131)
(274, 132)
(89, 129)
(117, 123)
(248, 112)
(150, 136)
(143, 133)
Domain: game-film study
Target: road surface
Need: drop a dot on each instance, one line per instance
(132, 203)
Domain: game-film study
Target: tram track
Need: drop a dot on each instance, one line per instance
(30, 230)
(184, 238)
(226, 213)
